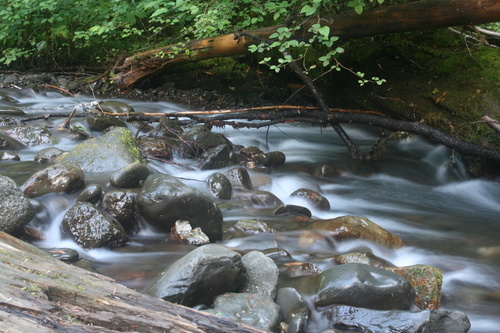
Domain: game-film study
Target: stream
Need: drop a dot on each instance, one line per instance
(416, 190)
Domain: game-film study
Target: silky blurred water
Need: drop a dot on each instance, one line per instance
(447, 219)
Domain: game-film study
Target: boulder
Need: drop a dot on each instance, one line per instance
(16, 208)
(316, 199)
(122, 206)
(110, 152)
(261, 274)
(129, 176)
(354, 227)
(251, 227)
(293, 310)
(47, 154)
(239, 178)
(199, 276)
(157, 147)
(364, 286)
(376, 321)
(184, 233)
(163, 200)
(8, 143)
(91, 193)
(256, 310)
(31, 135)
(6, 156)
(271, 159)
(100, 123)
(216, 157)
(91, 229)
(258, 198)
(53, 179)
(219, 186)
(115, 107)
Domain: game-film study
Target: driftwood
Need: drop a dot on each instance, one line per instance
(39, 293)
(418, 15)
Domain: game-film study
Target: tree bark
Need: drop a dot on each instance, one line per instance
(419, 15)
(41, 294)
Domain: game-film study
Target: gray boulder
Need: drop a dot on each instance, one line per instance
(219, 186)
(376, 321)
(47, 154)
(91, 193)
(91, 229)
(163, 200)
(53, 179)
(130, 175)
(364, 286)
(262, 274)
(216, 157)
(16, 208)
(199, 276)
(110, 152)
(256, 310)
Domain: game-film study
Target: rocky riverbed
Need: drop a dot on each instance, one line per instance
(117, 193)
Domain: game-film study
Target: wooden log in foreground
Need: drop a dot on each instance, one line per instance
(41, 294)
(418, 15)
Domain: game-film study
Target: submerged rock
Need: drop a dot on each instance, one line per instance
(251, 227)
(91, 229)
(55, 178)
(16, 209)
(199, 276)
(163, 200)
(375, 321)
(364, 286)
(256, 310)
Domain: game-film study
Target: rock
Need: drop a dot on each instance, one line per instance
(31, 135)
(256, 310)
(47, 154)
(115, 107)
(163, 200)
(6, 156)
(100, 123)
(16, 208)
(199, 276)
(295, 269)
(271, 159)
(91, 193)
(293, 310)
(251, 152)
(216, 158)
(426, 281)
(219, 186)
(53, 179)
(364, 286)
(64, 254)
(239, 178)
(376, 321)
(131, 175)
(157, 147)
(353, 227)
(110, 152)
(362, 258)
(261, 274)
(327, 171)
(292, 209)
(252, 227)
(8, 143)
(122, 206)
(184, 233)
(258, 198)
(91, 229)
(316, 199)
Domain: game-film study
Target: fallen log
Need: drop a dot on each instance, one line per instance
(418, 15)
(39, 293)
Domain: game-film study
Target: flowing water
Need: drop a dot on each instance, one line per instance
(416, 190)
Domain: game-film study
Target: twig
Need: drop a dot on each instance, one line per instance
(58, 88)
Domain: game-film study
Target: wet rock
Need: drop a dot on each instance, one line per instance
(251, 152)
(8, 143)
(295, 269)
(6, 156)
(156, 147)
(219, 186)
(123, 206)
(256, 310)
(64, 254)
(258, 198)
(110, 152)
(53, 179)
(354, 227)
(251, 227)
(131, 175)
(316, 199)
(293, 310)
(376, 321)
(239, 178)
(31, 135)
(276, 253)
(261, 274)
(364, 286)
(327, 171)
(426, 281)
(362, 258)
(292, 209)
(91, 193)
(184, 233)
(47, 154)
(200, 138)
(16, 208)
(10, 111)
(271, 159)
(163, 200)
(199, 276)
(91, 228)
(115, 107)
(100, 123)
(216, 158)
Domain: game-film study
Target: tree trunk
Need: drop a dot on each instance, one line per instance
(41, 294)
(419, 15)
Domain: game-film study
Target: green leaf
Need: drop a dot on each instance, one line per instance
(358, 8)
(325, 31)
